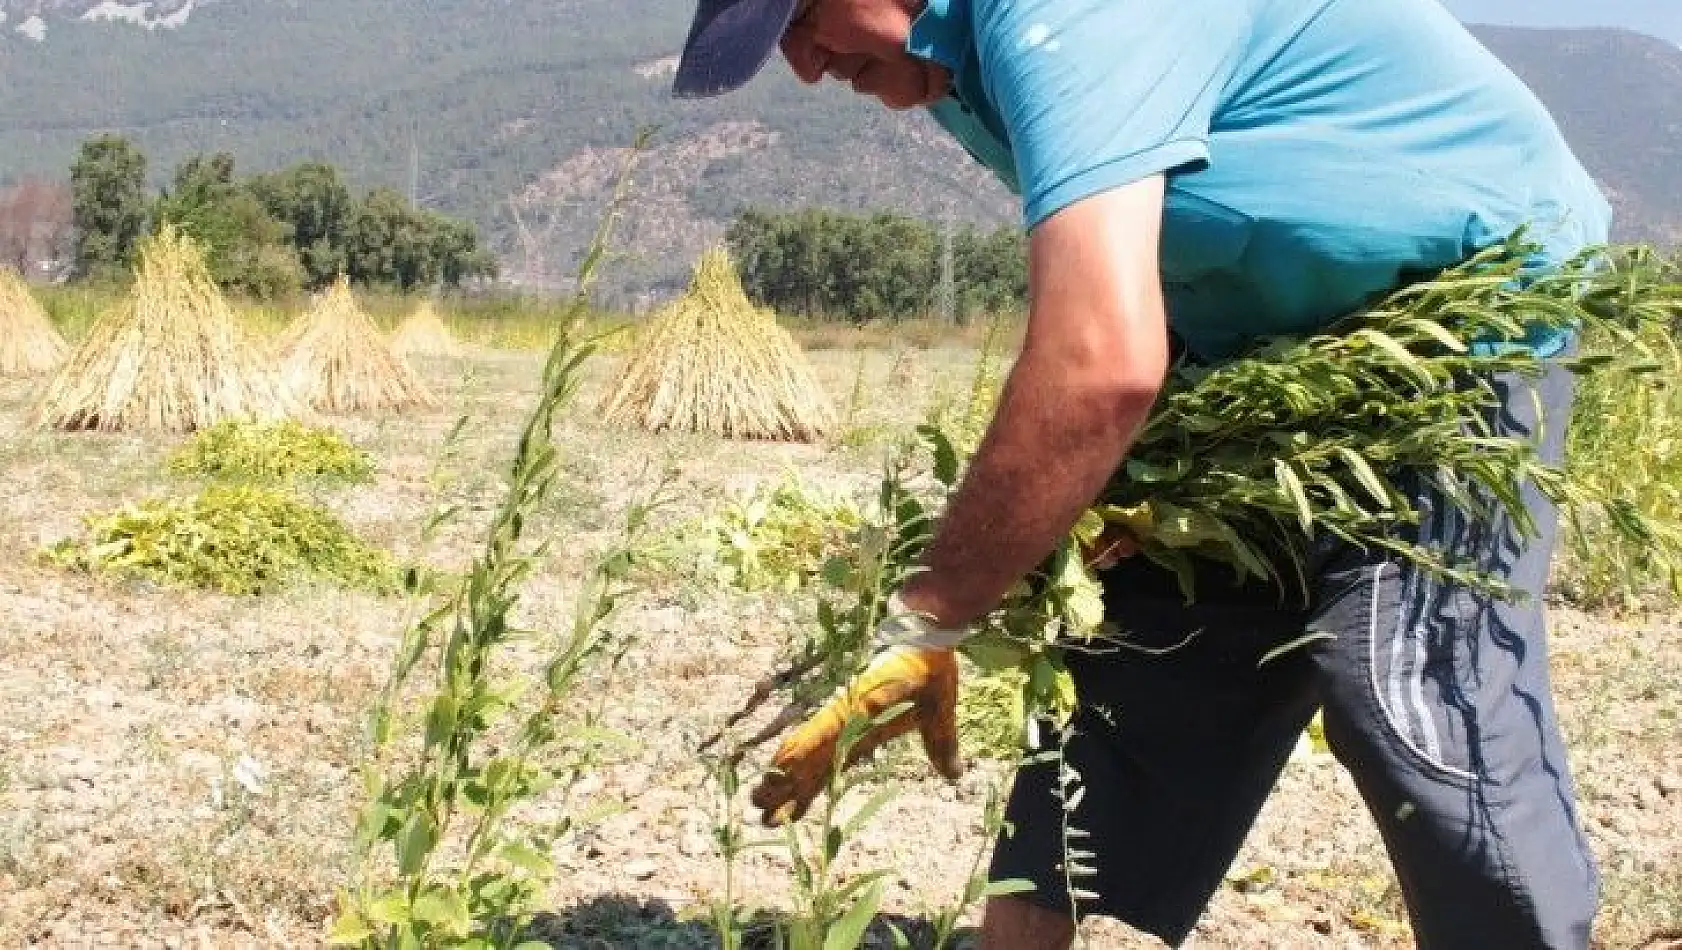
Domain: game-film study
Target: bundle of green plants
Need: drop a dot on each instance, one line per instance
(1254, 462)
(238, 450)
(237, 539)
(1250, 462)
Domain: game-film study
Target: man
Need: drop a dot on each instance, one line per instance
(1208, 172)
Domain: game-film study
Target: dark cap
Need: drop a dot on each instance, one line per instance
(729, 43)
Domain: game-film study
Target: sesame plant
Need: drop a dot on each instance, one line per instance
(831, 910)
(977, 886)
(443, 862)
(243, 450)
(237, 539)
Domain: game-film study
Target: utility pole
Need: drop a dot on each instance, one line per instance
(948, 298)
(414, 168)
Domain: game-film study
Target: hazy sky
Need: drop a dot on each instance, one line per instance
(1661, 18)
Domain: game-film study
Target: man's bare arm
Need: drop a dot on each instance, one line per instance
(1090, 369)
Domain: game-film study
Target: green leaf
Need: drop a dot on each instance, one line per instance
(945, 455)
(847, 933)
(444, 910)
(1292, 485)
(1437, 332)
(390, 909)
(1313, 636)
(349, 929)
(1007, 888)
(415, 842)
(441, 720)
(1363, 472)
(528, 859)
(867, 811)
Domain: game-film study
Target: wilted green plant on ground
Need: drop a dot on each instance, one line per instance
(1625, 446)
(270, 450)
(237, 539)
(776, 538)
(441, 863)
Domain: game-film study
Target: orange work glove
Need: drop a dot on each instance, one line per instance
(924, 677)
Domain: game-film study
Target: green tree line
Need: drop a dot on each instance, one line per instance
(825, 264)
(266, 235)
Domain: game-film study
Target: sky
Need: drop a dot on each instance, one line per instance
(1661, 18)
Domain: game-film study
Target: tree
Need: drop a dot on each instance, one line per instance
(108, 197)
(312, 199)
(247, 249)
(990, 270)
(825, 264)
(395, 244)
(35, 224)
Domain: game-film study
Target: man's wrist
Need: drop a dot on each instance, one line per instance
(929, 599)
(906, 626)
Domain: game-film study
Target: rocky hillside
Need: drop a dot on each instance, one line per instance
(514, 113)
(1615, 95)
(1660, 18)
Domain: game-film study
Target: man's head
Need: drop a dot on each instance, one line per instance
(861, 42)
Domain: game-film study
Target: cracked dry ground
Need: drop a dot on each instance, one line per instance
(126, 711)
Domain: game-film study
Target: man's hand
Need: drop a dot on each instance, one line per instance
(926, 679)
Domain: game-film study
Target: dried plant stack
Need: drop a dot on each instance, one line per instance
(28, 343)
(712, 362)
(169, 357)
(337, 362)
(424, 334)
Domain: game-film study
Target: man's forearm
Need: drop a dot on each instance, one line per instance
(1062, 428)
(1091, 366)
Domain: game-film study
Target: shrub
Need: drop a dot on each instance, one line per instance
(237, 539)
(271, 450)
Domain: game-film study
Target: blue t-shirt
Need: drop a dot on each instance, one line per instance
(1317, 152)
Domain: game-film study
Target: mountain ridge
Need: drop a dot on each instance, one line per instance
(1656, 18)
(515, 120)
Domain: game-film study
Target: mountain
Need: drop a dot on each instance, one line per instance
(511, 113)
(515, 113)
(1660, 18)
(1614, 95)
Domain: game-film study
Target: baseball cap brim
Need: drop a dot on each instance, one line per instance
(729, 43)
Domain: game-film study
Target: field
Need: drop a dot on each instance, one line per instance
(180, 769)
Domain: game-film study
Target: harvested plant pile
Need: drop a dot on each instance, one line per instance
(271, 450)
(712, 362)
(336, 361)
(169, 357)
(237, 539)
(28, 343)
(424, 334)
